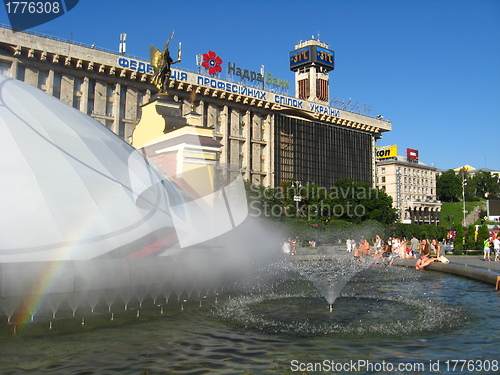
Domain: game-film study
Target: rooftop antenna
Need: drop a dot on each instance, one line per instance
(123, 45)
(198, 62)
(262, 72)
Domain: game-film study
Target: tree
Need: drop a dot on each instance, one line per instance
(449, 186)
(482, 234)
(459, 237)
(470, 238)
(486, 185)
(359, 202)
(380, 208)
(342, 229)
(347, 209)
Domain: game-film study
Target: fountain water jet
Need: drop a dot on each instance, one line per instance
(329, 276)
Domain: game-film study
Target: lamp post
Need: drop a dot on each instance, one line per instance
(464, 183)
(297, 197)
(398, 194)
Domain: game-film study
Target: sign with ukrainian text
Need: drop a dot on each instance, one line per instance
(233, 88)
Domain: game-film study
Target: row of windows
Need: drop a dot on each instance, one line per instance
(409, 180)
(257, 166)
(410, 171)
(416, 198)
(240, 149)
(240, 121)
(318, 153)
(419, 198)
(416, 172)
(73, 89)
(418, 189)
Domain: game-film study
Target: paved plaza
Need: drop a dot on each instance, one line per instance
(475, 261)
(472, 266)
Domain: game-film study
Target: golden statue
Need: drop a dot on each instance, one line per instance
(161, 61)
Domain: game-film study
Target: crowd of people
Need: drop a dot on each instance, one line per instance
(387, 251)
(424, 251)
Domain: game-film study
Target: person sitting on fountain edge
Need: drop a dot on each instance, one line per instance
(364, 248)
(425, 258)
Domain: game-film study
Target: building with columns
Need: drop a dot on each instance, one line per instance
(270, 137)
(80, 76)
(412, 186)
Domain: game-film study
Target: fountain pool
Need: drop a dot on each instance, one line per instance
(277, 324)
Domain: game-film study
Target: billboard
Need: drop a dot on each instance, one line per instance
(299, 57)
(387, 152)
(411, 154)
(312, 54)
(494, 207)
(325, 57)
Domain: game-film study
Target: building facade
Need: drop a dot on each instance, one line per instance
(270, 137)
(412, 186)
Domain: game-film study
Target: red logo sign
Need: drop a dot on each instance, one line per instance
(212, 62)
(411, 154)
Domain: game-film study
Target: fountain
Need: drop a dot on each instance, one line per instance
(330, 277)
(263, 322)
(296, 304)
(78, 294)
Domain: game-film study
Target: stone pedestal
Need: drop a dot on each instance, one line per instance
(160, 116)
(178, 145)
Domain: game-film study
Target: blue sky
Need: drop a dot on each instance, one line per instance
(430, 66)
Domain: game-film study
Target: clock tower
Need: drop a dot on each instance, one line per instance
(311, 61)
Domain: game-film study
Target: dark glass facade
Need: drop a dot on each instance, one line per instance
(314, 152)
